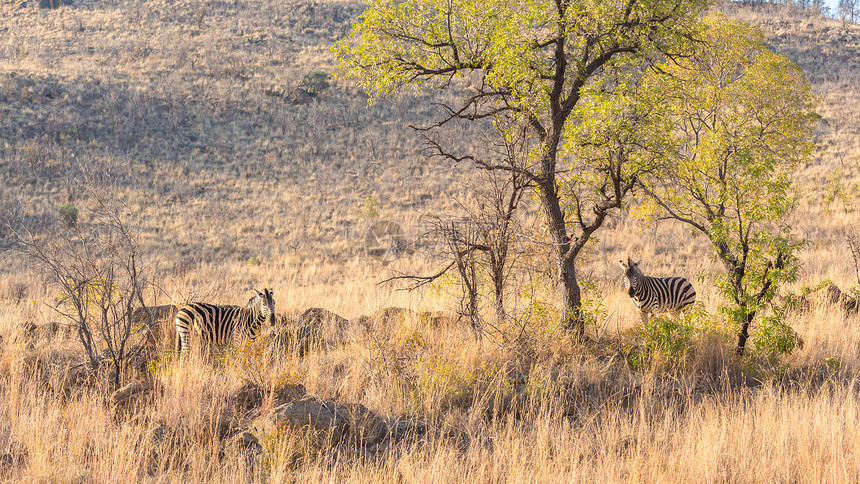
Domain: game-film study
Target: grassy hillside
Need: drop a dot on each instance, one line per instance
(240, 165)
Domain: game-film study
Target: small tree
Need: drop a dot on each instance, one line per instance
(743, 119)
(534, 63)
(100, 277)
(848, 11)
(483, 242)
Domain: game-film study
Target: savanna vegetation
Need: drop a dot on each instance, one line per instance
(491, 165)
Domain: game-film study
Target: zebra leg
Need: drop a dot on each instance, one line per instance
(183, 343)
(180, 343)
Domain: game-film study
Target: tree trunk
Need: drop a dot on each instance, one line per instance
(743, 334)
(571, 297)
(565, 261)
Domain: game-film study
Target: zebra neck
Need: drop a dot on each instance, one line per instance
(254, 319)
(258, 320)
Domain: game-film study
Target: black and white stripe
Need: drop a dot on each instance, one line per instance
(219, 325)
(656, 295)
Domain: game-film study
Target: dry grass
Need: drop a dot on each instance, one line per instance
(586, 415)
(232, 185)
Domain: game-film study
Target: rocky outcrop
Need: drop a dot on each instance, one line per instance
(827, 295)
(394, 316)
(251, 395)
(134, 396)
(325, 423)
(158, 320)
(313, 328)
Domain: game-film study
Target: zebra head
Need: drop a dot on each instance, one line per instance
(264, 304)
(632, 275)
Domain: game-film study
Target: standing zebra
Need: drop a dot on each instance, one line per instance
(219, 325)
(655, 295)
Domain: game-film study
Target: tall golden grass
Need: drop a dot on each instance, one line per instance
(232, 186)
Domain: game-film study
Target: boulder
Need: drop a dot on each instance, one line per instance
(52, 4)
(318, 326)
(326, 423)
(315, 327)
(52, 329)
(249, 444)
(26, 335)
(365, 427)
(827, 295)
(393, 316)
(408, 429)
(158, 320)
(437, 319)
(835, 296)
(288, 393)
(134, 396)
(317, 419)
(251, 395)
(16, 457)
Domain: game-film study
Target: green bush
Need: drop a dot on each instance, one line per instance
(370, 208)
(666, 338)
(443, 383)
(69, 214)
(774, 338)
(315, 82)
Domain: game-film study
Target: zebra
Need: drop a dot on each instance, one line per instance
(656, 295)
(219, 325)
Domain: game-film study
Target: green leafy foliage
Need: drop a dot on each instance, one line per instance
(370, 208)
(315, 82)
(410, 43)
(561, 71)
(774, 338)
(743, 119)
(664, 337)
(69, 214)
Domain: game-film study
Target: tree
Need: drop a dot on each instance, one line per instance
(98, 271)
(848, 11)
(539, 63)
(743, 117)
(484, 240)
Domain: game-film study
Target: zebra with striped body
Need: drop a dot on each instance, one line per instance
(656, 295)
(219, 325)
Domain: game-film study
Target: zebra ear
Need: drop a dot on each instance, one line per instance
(259, 294)
(622, 264)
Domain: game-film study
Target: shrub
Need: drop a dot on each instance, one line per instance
(370, 209)
(69, 215)
(315, 82)
(665, 338)
(774, 338)
(443, 383)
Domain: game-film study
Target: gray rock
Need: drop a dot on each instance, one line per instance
(313, 328)
(133, 396)
(319, 420)
(325, 422)
(246, 441)
(365, 427)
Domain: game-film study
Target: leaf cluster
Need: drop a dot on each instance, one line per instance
(742, 119)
